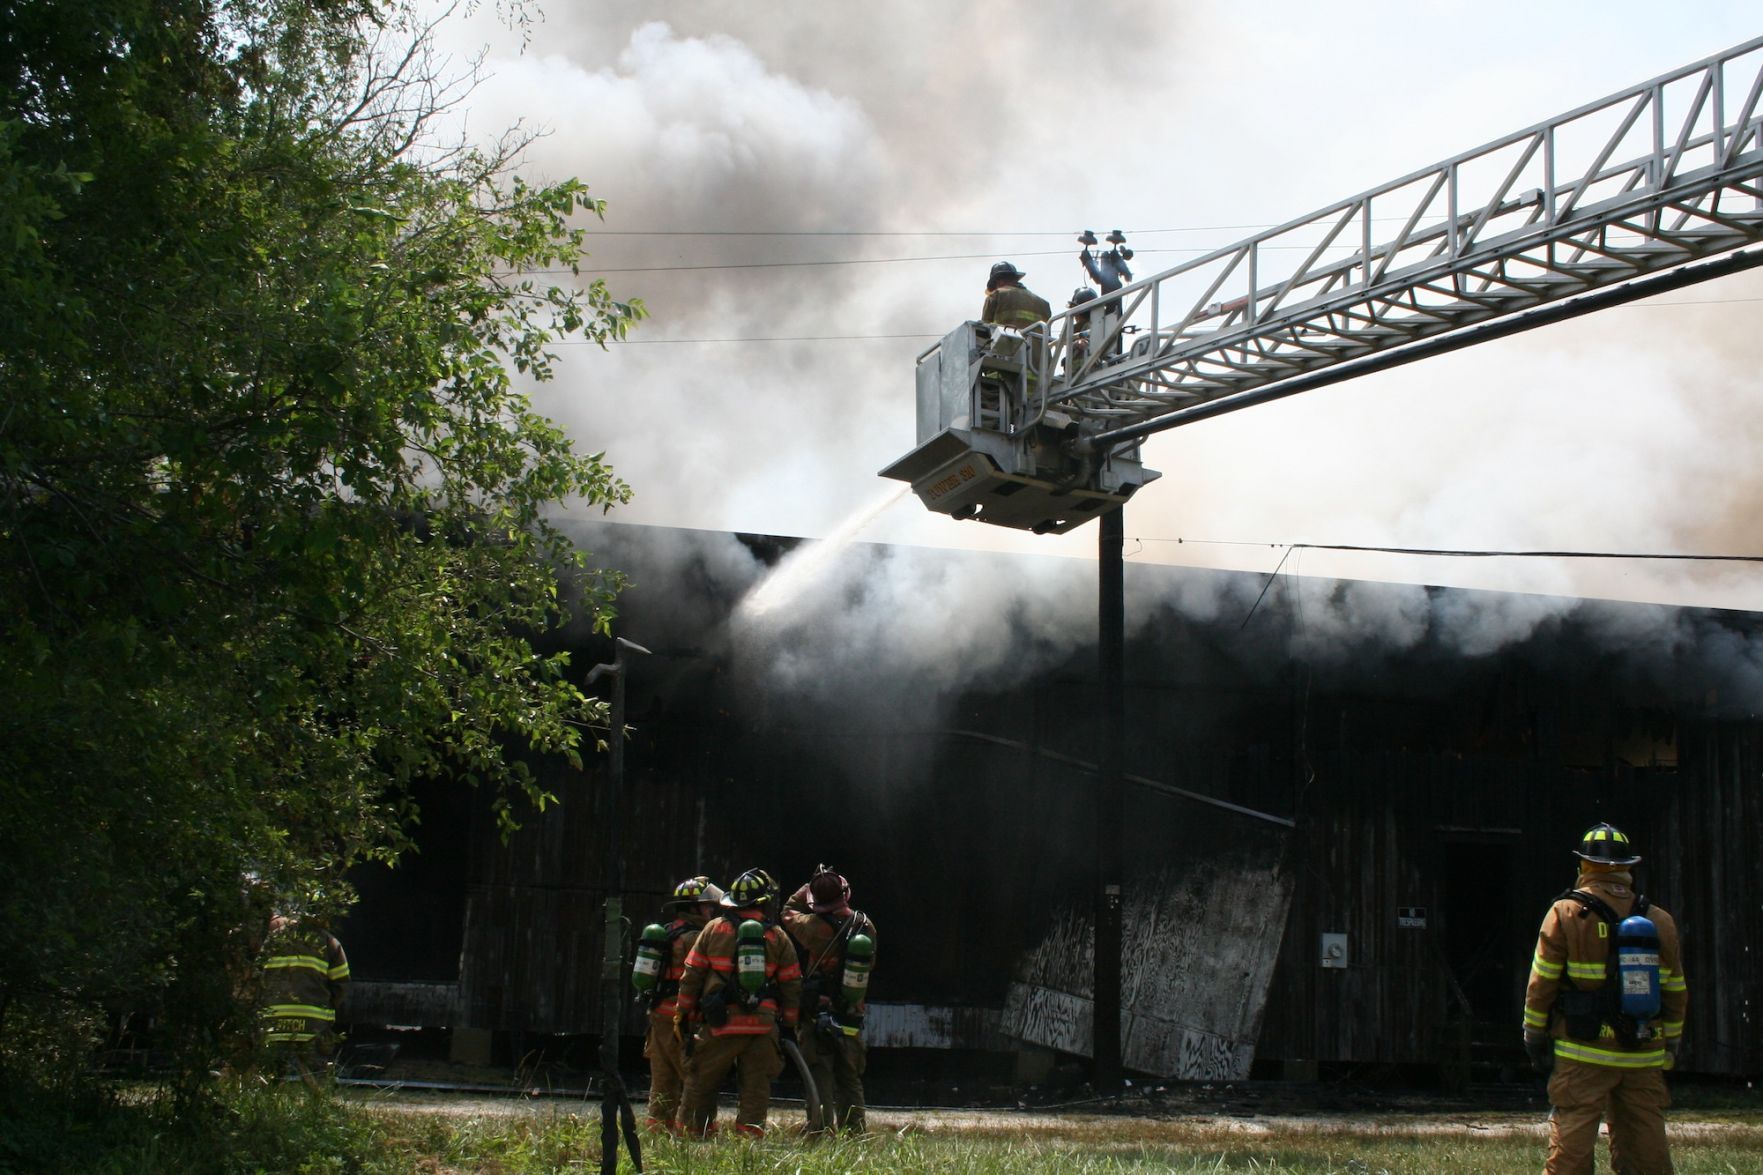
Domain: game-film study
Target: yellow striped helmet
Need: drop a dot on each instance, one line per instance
(693, 890)
(752, 888)
(1606, 845)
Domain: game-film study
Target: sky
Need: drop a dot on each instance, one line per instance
(808, 196)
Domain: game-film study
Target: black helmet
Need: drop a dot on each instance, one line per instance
(1086, 238)
(752, 888)
(1606, 845)
(1081, 295)
(1116, 238)
(694, 891)
(1004, 271)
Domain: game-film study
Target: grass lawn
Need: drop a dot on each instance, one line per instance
(551, 1138)
(251, 1127)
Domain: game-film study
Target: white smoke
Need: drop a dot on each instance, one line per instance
(1632, 430)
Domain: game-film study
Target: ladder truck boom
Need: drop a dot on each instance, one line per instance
(1617, 198)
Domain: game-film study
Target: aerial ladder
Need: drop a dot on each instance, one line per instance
(1650, 189)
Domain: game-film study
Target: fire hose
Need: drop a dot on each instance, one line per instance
(810, 1095)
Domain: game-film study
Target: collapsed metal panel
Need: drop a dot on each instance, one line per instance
(1197, 955)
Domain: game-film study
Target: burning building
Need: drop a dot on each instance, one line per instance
(1347, 804)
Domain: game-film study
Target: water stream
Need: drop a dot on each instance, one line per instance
(802, 566)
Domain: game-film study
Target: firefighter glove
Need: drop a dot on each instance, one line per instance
(1672, 1048)
(825, 1028)
(1541, 1048)
(679, 1029)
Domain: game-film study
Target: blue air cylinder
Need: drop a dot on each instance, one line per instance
(1637, 967)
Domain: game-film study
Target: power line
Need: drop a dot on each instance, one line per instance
(773, 339)
(1463, 553)
(721, 232)
(728, 265)
(876, 260)
(786, 264)
(939, 334)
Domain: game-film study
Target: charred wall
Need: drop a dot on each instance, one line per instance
(1422, 780)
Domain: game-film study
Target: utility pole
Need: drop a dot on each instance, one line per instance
(614, 1099)
(1110, 671)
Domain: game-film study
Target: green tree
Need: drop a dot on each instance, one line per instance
(272, 539)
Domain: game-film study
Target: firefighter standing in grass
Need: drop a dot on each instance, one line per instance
(741, 982)
(305, 980)
(660, 963)
(837, 946)
(1604, 1012)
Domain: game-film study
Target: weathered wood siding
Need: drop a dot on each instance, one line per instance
(1713, 870)
(1419, 779)
(534, 909)
(1197, 951)
(1482, 846)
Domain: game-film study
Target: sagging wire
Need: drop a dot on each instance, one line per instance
(1271, 577)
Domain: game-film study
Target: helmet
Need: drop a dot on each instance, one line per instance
(1116, 238)
(752, 888)
(827, 891)
(1081, 295)
(694, 890)
(1004, 271)
(1606, 845)
(1086, 238)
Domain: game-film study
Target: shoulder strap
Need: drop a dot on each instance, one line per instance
(1592, 902)
(1602, 908)
(834, 941)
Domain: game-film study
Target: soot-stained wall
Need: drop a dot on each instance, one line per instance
(1433, 785)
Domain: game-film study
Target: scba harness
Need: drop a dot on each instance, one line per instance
(654, 953)
(1626, 1007)
(751, 986)
(835, 995)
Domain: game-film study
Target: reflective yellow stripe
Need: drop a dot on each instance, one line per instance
(309, 1011)
(1609, 1058)
(1591, 971)
(286, 962)
(340, 971)
(1545, 968)
(1535, 1019)
(1672, 1027)
(1675, 983)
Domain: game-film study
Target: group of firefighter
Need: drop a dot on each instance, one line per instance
(730, 974)
(733, 970)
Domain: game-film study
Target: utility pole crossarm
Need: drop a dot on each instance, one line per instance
(1648, 180)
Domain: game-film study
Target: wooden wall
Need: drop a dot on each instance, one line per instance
(1711, 865)
(1445, 788)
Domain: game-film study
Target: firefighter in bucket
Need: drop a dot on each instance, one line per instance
(1603, 1013)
